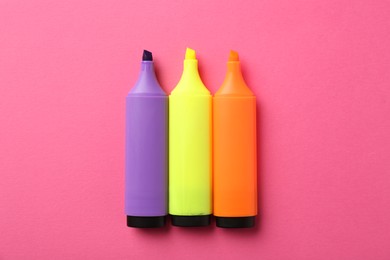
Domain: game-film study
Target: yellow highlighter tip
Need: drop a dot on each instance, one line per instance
(190, 54)
(233, 56)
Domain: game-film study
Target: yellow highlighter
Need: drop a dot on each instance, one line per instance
(190, 148)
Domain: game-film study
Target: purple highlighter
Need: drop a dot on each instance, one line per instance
(146, 150)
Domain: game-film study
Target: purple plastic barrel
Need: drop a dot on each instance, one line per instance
(146, 150)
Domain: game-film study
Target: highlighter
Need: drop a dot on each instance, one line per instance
(146, 158)
(190, 201)
(234, 150)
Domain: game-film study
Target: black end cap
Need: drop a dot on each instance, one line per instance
(191, 221)
(146, 222)
(235, 222)
(147, 56)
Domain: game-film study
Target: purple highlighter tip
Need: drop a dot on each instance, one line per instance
(147, 56)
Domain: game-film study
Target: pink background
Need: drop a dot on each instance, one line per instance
(320, 70)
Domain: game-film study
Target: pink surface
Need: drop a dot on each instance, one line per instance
(320, 69)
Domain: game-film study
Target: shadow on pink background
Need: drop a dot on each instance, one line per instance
(320, 70)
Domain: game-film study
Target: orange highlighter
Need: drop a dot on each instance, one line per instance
(234, 135)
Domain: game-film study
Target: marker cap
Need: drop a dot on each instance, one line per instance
(145, 222)
(191, 221)
(235, 222)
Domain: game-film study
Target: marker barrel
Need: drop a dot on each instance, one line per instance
(146, 152)
(234, 150)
